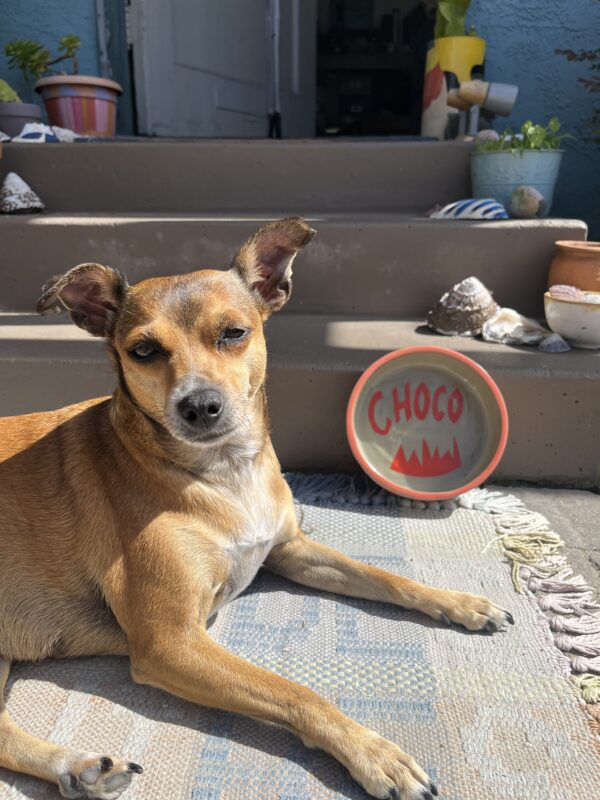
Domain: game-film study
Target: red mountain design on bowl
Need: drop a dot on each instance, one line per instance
(430, 465)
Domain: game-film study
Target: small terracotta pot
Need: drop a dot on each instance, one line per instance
(576, 264)
(84, 104)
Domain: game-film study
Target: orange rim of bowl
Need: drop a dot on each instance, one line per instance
(406, 491)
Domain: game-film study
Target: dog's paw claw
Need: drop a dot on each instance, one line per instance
(93, 777)
(384, 770)
(471, 612)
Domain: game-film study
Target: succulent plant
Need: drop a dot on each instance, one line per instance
(33, 59)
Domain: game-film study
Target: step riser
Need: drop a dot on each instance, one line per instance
(378, 267)
(554, 424)
(542, 446)
(224, 175)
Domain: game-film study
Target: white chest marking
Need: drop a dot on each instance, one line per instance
(247, 550)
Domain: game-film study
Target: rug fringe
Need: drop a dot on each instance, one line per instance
(565, 601)
(589, 686)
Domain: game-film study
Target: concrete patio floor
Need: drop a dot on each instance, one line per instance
(575, 516)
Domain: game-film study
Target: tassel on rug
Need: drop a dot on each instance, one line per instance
(567, 604)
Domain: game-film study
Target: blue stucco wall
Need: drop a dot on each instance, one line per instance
(46, 22)
(521, 35)
(521, 38)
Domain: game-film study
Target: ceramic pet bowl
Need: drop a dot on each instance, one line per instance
(577, 321)
(427, 423)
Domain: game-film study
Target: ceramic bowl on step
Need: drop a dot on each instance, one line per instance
(427, 423)
(577, 321)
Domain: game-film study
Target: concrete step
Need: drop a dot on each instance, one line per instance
(393, 265)
(205, 176)
(315, 359)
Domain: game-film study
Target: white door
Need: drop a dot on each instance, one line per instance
(201, 67)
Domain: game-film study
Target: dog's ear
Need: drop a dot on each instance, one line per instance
(92, 294)
(264, 262)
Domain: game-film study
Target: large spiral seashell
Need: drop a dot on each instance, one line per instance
(463, 310)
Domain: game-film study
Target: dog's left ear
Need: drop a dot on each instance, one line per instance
(93, 295)
(264, 262)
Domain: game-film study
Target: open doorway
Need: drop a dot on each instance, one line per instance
(370, 66)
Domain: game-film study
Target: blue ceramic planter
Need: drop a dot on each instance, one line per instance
(497, 174)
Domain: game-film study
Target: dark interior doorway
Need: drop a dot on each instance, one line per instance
(370, 66)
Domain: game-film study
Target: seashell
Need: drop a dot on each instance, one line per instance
(36, 132)
(487, 135)
(562, 291)
(478, 208)
(463, 309)
(510, 327)
(554, 343)
(18, 197)
(527, 203)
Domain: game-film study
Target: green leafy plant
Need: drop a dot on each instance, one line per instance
(7, 93)
(34, 60)
(531, 137)
(450, 18)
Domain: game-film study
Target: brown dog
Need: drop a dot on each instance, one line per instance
(125, 522)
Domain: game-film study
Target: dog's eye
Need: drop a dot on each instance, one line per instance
(233, 334)
(143, 350)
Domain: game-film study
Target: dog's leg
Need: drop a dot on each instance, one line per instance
(312, 564)
(85, 775)
(191, 665)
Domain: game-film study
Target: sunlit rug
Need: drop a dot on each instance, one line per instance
(489, 717)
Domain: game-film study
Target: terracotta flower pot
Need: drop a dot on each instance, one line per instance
(576, 264)
(85, 104)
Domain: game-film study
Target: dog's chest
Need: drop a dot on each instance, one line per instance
(247, 548)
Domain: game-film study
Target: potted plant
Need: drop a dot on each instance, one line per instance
(14, 113)
(451, 58)
(85, 104)
(529, 158)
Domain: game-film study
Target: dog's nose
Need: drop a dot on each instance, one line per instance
(201, 409)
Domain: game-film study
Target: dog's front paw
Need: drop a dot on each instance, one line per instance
(384, 770)
(87, 775)
(471, 611)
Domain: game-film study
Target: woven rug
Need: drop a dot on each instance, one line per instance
(491, 717)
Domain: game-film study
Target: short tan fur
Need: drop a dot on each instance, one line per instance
(126, 521)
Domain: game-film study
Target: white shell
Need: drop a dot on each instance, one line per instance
(18, 197)
(36, 132)
(472, 208)
(462, 310)
(510, 327)
(563, 291)
(487, 135)
(554, 344)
